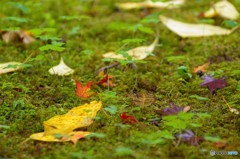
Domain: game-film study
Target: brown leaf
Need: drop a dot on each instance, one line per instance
(143, 99)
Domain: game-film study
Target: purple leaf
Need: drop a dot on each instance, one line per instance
(189, 138)
(213, 84)
(170, 111)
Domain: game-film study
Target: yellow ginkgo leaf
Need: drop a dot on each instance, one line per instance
(64, 125)
(149, 4)
(5, 67)
(61, 69)
(224, 9)
(193, 30)
(137, 53)
(72, 136)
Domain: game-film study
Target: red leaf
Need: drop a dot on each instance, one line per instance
(106, 81)
(128, 118)
(213, 84)
(83, 91)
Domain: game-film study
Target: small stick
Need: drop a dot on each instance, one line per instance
(107, 67)
(26, 60)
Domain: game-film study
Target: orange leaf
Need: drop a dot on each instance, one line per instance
(84, 91)
(202, 68)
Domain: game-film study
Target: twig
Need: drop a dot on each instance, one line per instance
(24, 141)
(26, 60)
(107, 67)
(226, 102)
(179, 140)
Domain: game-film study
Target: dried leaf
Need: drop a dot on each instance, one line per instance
(143, 99)
(149, 4)
(186, 109)
(213, 84)
(61, 128)
(202, 68)
(193, 30)
(233, 110)
(220, 144)
(61, 69)
(138, 53)
(9, 67)
(22, 36)
(128, 119)
(83, 91)
(223, 9)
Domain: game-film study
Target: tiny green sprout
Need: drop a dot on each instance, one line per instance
(112, 109)
(152, 18)
(57, 46)
(183, 73)
(96, 135)
(230, 24)
(199, 97)
(207, 21)
(212, 138)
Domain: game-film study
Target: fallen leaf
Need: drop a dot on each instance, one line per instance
(106, 81)
(189, 138)
(186, 109)
(173, 110)
(143, 99)
(138, 53)
(193, 30)
(9, 67)
(233, 110)
(72, 136)
(128, 119)
(220, 144)
(61, 128)
(22, 36)
(83, 91)
(201, 69)
(213, 84)
(223, 9)
(61, 69)
(149, 4)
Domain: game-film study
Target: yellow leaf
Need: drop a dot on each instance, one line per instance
(224, 9)
(65, 124)
(193, 30)
(72, 136)
(4, 67)
(138, 53)
(149, 4)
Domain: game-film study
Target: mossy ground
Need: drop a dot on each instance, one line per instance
(30, 96)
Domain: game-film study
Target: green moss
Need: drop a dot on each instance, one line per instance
(30, 96)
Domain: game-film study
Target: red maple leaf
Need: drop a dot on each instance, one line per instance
(106, 81)
(83, 91)
(128, 118)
